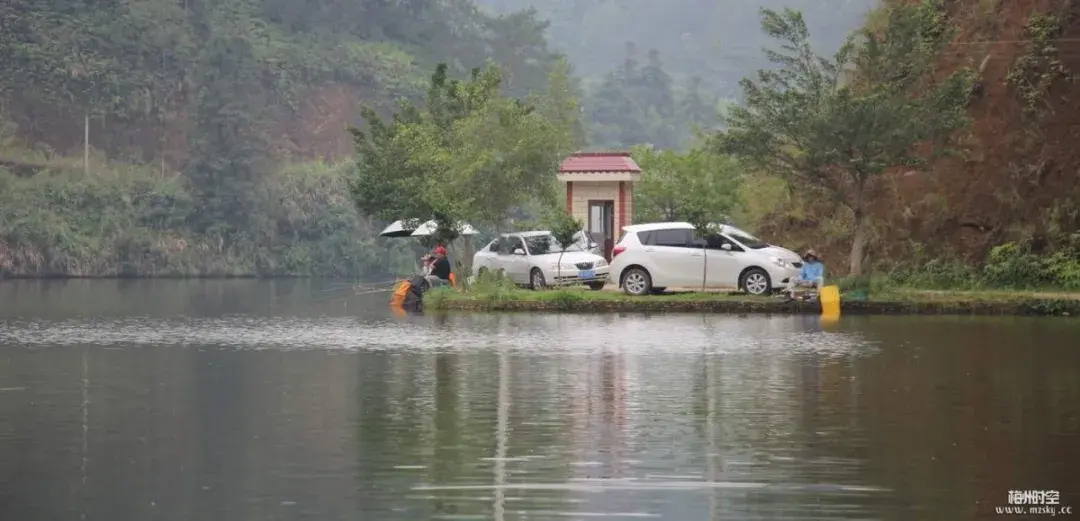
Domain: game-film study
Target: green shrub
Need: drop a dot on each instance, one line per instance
(126, 221)
(1014, 265)
(564, 299)
(1063, 265)
(937, 274)
(436, 297)
(493, 287)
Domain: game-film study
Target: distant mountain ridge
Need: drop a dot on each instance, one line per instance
(717, 40)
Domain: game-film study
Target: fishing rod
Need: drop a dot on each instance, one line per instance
(360, 286)
(360, 289)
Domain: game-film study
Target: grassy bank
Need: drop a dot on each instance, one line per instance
(128, 221)
(498, 296)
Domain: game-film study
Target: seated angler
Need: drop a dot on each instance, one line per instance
(441, 267)
(428, 260)
(812, 275)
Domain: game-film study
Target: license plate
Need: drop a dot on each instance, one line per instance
(587, 274)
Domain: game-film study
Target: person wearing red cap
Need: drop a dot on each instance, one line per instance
(441, 267)
(428, 259)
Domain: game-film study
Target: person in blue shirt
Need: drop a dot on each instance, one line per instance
(812, 274)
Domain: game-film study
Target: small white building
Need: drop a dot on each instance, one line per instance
(600, 192)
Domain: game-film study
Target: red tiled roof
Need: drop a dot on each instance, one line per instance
(610, 162)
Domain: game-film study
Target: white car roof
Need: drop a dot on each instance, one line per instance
(648, 227)
(533, 233)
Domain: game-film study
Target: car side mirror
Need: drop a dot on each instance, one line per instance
(725, 247)
(519, 251)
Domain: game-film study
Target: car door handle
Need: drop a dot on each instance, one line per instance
(695, 254)
(649, 249)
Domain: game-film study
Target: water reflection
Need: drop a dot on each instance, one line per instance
(257, 413)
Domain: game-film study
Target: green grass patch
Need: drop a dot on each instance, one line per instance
(491, 293)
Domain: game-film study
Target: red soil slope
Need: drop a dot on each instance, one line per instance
(1018, 177)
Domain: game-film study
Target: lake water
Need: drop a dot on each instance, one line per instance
(245, 400)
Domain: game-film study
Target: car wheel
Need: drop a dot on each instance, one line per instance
(657, 291)
(637, 282)
(756, 282)
(481, 272)
(596, 286)
(536, 279)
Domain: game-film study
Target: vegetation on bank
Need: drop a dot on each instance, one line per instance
(492, 293)
(471, 154)
(126, 221)
(218, 96)
(1004, 195)
(835, 125)
(827, 148)
(202, 118)
(1010, 266)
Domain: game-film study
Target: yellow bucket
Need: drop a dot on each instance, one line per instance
(400, 292)
(830, 302)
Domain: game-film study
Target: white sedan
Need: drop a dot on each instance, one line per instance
(532, 259)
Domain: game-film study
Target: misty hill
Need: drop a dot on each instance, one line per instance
(718, 40)
(654, 71)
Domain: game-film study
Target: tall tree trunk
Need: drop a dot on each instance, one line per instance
(705, 267)
(858, 242)
(858, 221)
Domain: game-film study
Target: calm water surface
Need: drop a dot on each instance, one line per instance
(245, 400)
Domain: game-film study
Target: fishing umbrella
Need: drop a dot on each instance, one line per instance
(465, 230)
(430, 227)
(403, 229)
(397, 229)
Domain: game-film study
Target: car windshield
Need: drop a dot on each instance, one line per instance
(748, 241)
(542, 244)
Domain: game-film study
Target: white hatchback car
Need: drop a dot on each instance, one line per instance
(652, 257)
(532, 259)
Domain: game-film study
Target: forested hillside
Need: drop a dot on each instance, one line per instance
(653, 69)
(219, 143)
(195, 109)
(150, 72)
(1001, 204)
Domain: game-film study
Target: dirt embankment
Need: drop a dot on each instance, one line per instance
(1017, 172)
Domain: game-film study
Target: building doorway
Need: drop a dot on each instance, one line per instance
(602, 225)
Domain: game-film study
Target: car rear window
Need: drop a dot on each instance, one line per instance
(674, 237)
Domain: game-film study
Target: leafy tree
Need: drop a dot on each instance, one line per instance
(562, 104)
(698, 186)
(694, 186)
(471, 155)
(697, 108)
(809, 123)
(635, 104)
(230, 142)
(563, 227)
